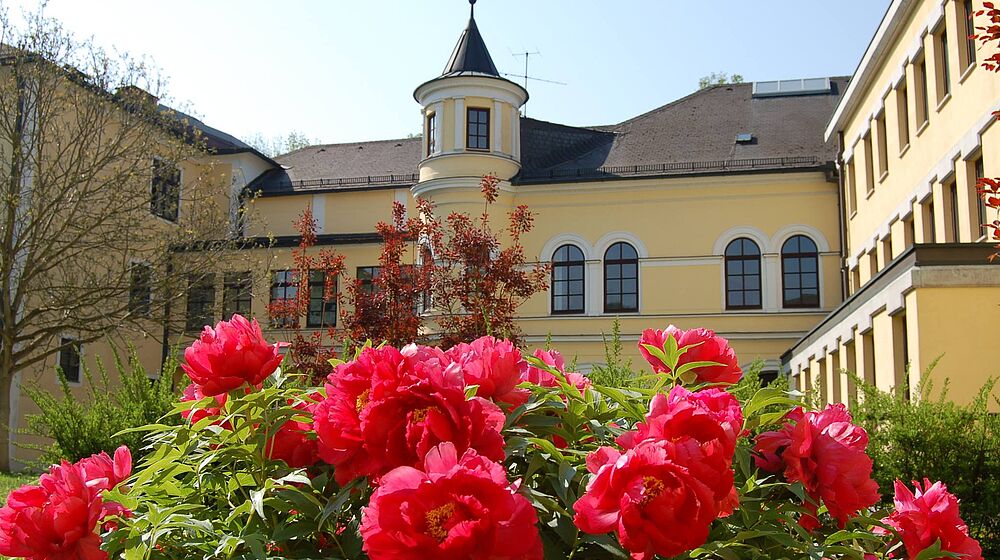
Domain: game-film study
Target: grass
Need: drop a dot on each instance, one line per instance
(12, 481)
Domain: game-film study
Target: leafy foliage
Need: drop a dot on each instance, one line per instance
(81, 427)
(940, 440)
(616, 371)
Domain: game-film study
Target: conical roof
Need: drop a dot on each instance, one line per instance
(470, 54)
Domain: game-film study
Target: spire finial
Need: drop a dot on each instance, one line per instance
(472, 8)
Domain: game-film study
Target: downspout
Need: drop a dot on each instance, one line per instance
(165, 351)
(842, 216)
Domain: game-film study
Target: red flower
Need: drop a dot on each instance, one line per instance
(291, 443)
(713, 418)
(547, 379)
(930, 515)
(193, 393)
(824, 451)
(56, 520)
(704, 346)
(231, 354)
(385, 410)
(496, 366)
(453, 508)
(650, 497)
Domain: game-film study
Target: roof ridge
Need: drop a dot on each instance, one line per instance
(352, 143)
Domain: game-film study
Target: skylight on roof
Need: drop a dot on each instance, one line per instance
(778, 88)
(744, 138)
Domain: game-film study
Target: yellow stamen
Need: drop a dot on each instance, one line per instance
(436, 518)
(362, 400)
(651, 488)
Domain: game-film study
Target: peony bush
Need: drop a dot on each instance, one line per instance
(482, 452)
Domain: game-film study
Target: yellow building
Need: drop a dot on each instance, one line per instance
(915, 132)
(701, 213)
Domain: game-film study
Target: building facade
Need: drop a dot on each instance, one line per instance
(820, 225)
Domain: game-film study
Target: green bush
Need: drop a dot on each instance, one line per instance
(616, 371)
(940, 440)
(81, 427)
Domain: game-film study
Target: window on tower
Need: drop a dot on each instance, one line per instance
(477, 133)
(431, 134)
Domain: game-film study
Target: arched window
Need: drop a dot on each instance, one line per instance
(567, 280)
(621, 279)
(800, 272)
(743, 275)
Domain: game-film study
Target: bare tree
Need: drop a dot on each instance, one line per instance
(99, 185)
(719, 79)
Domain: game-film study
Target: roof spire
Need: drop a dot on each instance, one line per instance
(470, 54)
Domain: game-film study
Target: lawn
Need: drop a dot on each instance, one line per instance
(11, 481)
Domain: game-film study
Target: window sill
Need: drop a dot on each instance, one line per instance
(923, 127)
(883, 176)
(966, 73)
(853, 215)
(904, 149)
(944, 101)
(869, 194)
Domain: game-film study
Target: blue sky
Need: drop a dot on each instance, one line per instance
(342, 71)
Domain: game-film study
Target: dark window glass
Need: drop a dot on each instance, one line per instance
(568, 280)
(970, 44)
(953, 199)
(165, 195)
(322, 310)
(621, 279)
(140, 290)
(800, 272)
(431, 133)
(283, 289)
(200, 301)
(981, 204)
(743, 289)
(922, 78)
(477, 136)
(367, 276)
(237, 294)
(69, 359)
(945, 64)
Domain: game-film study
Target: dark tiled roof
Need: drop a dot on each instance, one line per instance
(470, 55)
(695, 134)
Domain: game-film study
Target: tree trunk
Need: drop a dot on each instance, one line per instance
(6, 381)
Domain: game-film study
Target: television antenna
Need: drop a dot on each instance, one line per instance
(527, 55)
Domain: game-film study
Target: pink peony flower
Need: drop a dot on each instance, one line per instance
(452, 508)
(193, 393)
(713, 418)
(384, 410)
(232, 354)
(824, 451)
(496, 366)
(547, 379)
(705, 346)
(291, 443)
(650, 497)
(929, 515)
(56, 519)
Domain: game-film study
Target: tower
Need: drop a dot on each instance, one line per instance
(471, 121)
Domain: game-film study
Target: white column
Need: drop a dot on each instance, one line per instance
(459, 124)
(439, 115)
(496, 145)
(594, 281)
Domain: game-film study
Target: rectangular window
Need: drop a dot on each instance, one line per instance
(931, 223)
(943, 65)
(920, 78)
(367, 276)
(322, 309)
(968, 28)
(237, 294)
(431, 133)
(850, 186)
(165, 190)
(903, 115)
(200, 301)
(284, 290)
(869, 164)
(69, 359)
(978, 173)
(477, 135)
(883, 146)
(140, 290)
(952, 190)
(872, 263)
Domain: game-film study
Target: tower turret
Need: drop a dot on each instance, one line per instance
(471, 119)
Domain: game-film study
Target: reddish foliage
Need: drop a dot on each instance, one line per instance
(479, 281)
(307, 353)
